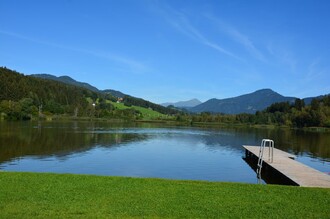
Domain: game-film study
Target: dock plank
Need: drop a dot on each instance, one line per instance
(301, 174)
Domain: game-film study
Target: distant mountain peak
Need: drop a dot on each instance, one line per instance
(266, 91)
(65, 77)
(184, 104)
(247, 103)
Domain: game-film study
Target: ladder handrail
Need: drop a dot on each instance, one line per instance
(261, 154)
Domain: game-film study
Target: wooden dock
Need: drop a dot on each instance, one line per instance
(297, 172)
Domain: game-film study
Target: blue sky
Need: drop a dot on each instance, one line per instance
(173, 50)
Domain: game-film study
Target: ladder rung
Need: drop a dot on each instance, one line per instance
(261, 154)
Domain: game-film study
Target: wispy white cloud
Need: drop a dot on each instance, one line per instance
(132, 65)
(238, 36)
(315, 71)
(283, 55)
(181, 22)
(312, 80)
(37, 41)
(288, 59)
(247, 43)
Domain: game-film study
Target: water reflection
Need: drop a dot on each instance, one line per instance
(58, 139)
(149, 150)
(268, 175)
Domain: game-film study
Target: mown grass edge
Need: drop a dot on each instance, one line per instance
(26, 195)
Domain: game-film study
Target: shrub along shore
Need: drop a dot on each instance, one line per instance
(27, 195)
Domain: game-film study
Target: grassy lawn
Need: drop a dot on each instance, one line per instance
(30, 195)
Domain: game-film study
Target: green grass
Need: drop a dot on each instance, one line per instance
(35, 195)
(149, 113)
(146, 113)
(119, 105)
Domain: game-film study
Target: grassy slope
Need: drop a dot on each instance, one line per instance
(147, 113)
(63, 195)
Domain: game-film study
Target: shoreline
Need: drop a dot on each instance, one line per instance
(176, 123)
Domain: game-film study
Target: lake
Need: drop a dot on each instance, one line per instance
(149, 150)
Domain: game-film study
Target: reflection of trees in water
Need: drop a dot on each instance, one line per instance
(64, 138)
(42, 140)
(316, 144)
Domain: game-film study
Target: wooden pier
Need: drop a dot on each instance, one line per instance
(297, 172)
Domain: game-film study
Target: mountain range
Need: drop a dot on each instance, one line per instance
(184, 104)
(247, 103)
(69, 80)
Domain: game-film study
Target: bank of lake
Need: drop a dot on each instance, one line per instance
(44, 195)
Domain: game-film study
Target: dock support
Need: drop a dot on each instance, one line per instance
(295, 172)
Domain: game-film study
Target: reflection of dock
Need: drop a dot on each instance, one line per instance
(297, 172)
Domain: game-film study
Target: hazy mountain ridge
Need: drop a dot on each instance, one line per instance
(184, 104)
(247, 103)
(308, 100)
(115, 93)
(68, 80)
(128, 100)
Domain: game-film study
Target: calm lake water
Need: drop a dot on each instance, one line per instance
(149, 150)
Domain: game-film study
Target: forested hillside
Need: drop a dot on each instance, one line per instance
(26, 97)
(66, 80)
(127, 99)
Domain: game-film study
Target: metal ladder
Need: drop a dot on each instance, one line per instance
(264, 143)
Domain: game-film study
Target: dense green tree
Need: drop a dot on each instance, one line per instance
(299, 104)
(283, 107)
(28, 109)
(129, 101)
(315, 104)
